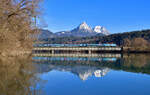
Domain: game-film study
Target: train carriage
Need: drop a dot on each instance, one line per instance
(75, 45)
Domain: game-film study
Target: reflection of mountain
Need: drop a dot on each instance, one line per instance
(80, 66)
(80, 70)
(97, 72)
(101, 73)
(130, 63)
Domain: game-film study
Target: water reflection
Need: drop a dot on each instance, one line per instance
(17, 77)
(82, 67)
(85, 67)
(76, 75)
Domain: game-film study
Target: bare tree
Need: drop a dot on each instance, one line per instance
(127, 42)
(140, 43)
(17, 24)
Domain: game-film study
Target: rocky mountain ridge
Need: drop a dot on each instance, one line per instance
(83, 30)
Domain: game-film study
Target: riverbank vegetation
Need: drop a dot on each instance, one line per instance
(17, 24)
(136, 45)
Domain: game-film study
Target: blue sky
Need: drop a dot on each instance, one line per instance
(116, 15)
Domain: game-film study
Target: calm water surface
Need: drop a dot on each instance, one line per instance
(129, 75)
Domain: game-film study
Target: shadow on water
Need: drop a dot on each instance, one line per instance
(17, 77)
(85, 67)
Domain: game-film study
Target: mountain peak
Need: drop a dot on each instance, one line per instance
(100, 29)
(84, 26)
(83, 23)
(97, 29)
(83, 30)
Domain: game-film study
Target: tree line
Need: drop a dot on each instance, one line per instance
(118, 38)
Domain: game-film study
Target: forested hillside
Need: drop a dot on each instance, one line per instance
(113, 38)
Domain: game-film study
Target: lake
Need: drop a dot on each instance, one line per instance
(125, 75)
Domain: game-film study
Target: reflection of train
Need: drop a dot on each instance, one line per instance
(75, 45)
(75, 59)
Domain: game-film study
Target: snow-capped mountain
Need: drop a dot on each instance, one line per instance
(100, 29)
(83, 30)
(97, 29)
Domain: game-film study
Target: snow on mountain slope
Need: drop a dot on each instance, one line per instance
(100, 29)
(83, 30)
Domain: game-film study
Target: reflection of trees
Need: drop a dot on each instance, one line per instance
(137, 60)
(137, 63)
(16, 77)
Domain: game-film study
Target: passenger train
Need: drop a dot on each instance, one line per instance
(75, 45)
